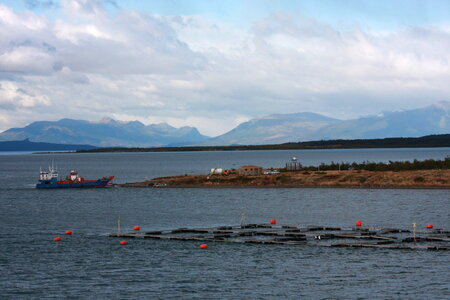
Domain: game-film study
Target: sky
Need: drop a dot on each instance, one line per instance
(215, 64)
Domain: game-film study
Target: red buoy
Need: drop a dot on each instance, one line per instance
(57, 239)
(137, 228)
(429, 226)
(273, 221)
(123, 242)
(358, 223)
(68, 232)
(203, 246)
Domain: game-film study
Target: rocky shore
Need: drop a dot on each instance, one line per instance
(353, 178)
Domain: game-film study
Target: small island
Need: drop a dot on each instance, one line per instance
(416, 174)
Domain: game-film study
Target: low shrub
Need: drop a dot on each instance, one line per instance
(419, 179)
(283, 178)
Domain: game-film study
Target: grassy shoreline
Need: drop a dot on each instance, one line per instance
(335, 179)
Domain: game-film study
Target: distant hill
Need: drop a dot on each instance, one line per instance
(272, 129)
(105, 133)
(434, 119)
(26, 145)
(283, 128)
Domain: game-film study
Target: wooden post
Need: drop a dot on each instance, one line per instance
(414, 232)
(118, 225)
(242, 221)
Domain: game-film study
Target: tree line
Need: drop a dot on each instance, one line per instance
(441, 140)
(428, 164)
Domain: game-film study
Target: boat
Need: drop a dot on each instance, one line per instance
(49, 180)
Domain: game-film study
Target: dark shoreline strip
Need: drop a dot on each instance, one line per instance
(126, 185)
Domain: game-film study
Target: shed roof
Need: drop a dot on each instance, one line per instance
(250, 166)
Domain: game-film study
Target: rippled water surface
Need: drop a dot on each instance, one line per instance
(88, 264)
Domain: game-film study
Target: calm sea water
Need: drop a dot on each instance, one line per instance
(88, 264)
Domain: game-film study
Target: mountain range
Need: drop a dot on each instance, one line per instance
(272, 129)
(299, 127)
(104, 133)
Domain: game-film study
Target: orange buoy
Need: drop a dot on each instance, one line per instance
(68, 232)
(57, 239)
(123, 242)
(273, 221)
(358, 223)
(203, 246)
(137, 228)
(429, 226)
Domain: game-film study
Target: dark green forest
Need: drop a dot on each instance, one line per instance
(429, 164)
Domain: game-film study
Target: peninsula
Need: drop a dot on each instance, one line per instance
(347, 178)
(428, 173)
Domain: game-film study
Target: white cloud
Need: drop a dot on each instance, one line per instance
(193, 70)
(19, 103)
(20, 21)
(88, 8)
(27, 59)
(12, 97)
(66, 75)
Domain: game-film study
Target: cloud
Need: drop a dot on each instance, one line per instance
(40, 4)
(298, 60)
(27, 58)
(13, 97)
(91, 8)
(89, 41)
(193, 70)
(67, 75)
